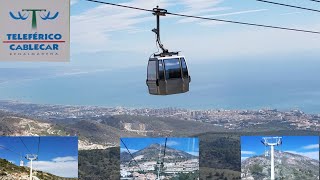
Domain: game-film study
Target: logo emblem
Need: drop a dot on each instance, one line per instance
(34, 13)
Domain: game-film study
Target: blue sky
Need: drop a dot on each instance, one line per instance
(302, 145)
(189, 145)
(109, 33)
(57, 155)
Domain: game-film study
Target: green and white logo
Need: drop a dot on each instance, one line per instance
(35, 30)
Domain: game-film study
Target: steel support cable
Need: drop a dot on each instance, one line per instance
(288, 5)
(2, 147)
(130, 154)
(212, 19)
(38, 147)
(20, 140)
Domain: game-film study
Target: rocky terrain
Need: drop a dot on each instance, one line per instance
(91, 135)
(288, 166)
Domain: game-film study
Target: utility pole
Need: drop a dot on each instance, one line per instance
(272, 142)
(31, 157)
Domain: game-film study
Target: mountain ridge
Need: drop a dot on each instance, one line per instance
(151, 153)
(288, 166)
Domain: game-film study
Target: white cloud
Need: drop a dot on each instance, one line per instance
(98, 29)
(244, 158)
(312, 154)
(311, 146)
(91, 30)
(220, 15)
(131, 150)
(245, 42)
(193, 153)
(65, 159)
(73, 2)
(247, 152)
(290, 13)
(60, 166)
(172, 143)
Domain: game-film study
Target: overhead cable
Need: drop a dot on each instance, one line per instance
(130, 154)
(288, 5)
(211, 19)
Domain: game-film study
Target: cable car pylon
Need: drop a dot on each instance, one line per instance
(272, 142)
(31, 158)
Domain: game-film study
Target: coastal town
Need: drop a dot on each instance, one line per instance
(228, 119)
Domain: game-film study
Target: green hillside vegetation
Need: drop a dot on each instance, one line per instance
(99, 164)
(220, 156)
(218, 174)
(186, 176)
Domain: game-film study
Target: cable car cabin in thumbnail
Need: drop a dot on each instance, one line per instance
(168, 75)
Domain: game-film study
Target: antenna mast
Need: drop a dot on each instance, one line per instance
(272, 142)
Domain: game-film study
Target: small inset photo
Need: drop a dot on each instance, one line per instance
(280, 157)
(38, 157)
(159, 158)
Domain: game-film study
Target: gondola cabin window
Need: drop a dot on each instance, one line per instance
(184, 68)
(161, 70)
(152, 70)
(173, 69)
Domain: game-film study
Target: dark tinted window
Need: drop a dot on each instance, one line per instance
(184, 68)
(161, 70)
(172, 67)
(152, 73)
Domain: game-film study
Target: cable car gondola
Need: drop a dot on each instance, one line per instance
(167, 72)
(168, 75)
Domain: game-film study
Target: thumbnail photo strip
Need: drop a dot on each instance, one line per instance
(38, 157)
(279, 157)
(159, 158)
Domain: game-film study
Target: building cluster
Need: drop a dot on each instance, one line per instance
(171, 169)
(228, 119)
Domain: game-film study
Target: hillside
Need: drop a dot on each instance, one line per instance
(92, 135)
(219, 156)
(97, 133)
(151, 153)
(97, 129)
(287, 166)
(9, 171)
(158, 126)
(99, 164)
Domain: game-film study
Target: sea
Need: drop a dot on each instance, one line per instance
(236, 85)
